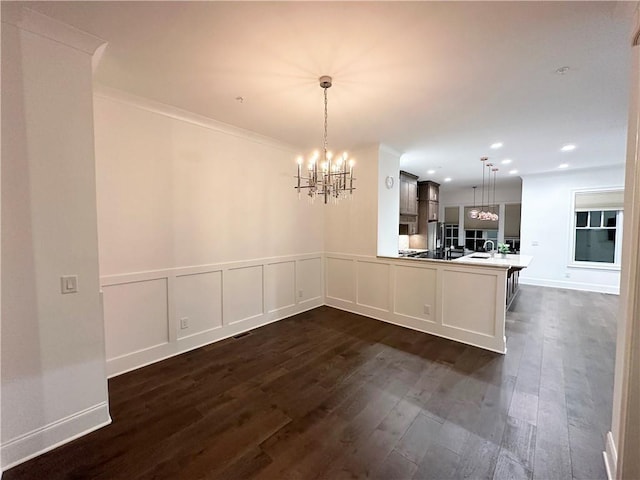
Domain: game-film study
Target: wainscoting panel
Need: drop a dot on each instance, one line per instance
(141, 310)
(243, 293)
(309, 279)
(373, 285)
(280, 284)
(341, 279)
(415, 292)
(473, 312)
(462, 302)
(198, 298)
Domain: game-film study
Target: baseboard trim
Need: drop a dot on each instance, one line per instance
(585, 287)
(610, 457)
(41, 440)
(430, 328)
(133, 361)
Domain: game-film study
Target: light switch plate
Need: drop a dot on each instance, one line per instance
(69, 284)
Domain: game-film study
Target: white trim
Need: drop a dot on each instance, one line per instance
(595, 266)
(31, 21)
(41, 440)
(436, 324)
(610, 457)
(626, 407)
(170, 111)
(146, 275)
(133, 360)
(572, 230)
(417, 329)
(585, 287)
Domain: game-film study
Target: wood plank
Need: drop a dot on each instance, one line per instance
(329, 394)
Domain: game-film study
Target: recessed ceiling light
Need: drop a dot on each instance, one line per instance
(448, 179)
(513, 172)
(431, 172)
(568, 148)
(496, 145)
(506, 161)
(563, 165)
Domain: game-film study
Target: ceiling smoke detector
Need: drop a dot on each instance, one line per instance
(562, 70)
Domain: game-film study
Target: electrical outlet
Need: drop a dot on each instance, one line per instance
(184, 323)
(69, 284)
(567, 275)
(534, 243)
(427, 309)
(300, 293)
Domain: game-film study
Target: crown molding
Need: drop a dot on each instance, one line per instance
(29, 20)
(390, 150)
(153, 106)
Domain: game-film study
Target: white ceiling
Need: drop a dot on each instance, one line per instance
(437, 81)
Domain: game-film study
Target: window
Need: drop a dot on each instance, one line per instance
(451, 228)
(598, 228)
(474, 239)
(512, 226)
(450, 235)
(596, 236)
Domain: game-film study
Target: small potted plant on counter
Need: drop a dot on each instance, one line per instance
(503, 249)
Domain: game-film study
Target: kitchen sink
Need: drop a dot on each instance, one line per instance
(481, 256)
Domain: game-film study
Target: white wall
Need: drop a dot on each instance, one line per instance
(546, 229)
(388, 201)
(53, 365)
(352, 225)
(197, 220)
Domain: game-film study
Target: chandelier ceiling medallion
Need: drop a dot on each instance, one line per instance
(488, 214)
(327, 177)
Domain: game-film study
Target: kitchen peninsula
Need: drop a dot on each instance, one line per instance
(515, 263)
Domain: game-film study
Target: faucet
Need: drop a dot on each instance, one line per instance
(493, 246)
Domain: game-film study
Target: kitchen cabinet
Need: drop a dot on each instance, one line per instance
(409, 228)
(432, 190)
(429, 201)
(408, 194)
(432, 211)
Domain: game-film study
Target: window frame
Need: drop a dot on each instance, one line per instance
(616, 265)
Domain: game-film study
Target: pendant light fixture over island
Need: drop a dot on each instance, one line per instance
(489, 213)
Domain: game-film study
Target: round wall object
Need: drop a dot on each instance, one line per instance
(389, 182)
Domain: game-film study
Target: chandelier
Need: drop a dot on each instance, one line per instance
(327, 177)
(489, 214)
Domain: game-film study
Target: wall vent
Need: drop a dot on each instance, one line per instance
(240, 335)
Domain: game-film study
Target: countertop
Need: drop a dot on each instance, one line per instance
(510, 260)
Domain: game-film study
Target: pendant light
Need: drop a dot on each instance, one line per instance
(494, 215)
(488, 214)
(473, 213)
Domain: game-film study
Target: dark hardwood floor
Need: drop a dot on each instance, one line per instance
(330, 395)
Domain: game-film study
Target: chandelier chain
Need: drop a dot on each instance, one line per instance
(326, 116)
